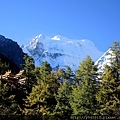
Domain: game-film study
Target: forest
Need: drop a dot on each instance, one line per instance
(63, 93)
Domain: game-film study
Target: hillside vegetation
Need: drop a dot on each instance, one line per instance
(59, 94)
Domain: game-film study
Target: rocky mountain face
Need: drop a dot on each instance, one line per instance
(60, 51)
(11, 50)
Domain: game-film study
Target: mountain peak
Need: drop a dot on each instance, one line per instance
(64, 52)
(39, 38)
(59, 37)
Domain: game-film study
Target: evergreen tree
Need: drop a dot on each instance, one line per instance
(63, 107)
(60, 74)
(69, 75)
(45, 71)
(109, 94)
(115, 59)
(83, 101)
(42, 97)
(36, 100)
(65, 74)
(3, 67)
(29, 72)
(8, 104)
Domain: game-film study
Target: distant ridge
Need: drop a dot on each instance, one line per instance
(60, 51)
(11, 50)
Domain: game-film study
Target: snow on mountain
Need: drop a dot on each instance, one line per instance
(104, 60)
(60, 51)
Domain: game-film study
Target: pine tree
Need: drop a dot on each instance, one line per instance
(69, 75)
(63, 107)
(42, 97)
(36, 100)
(8, 104)
(115, 59)
(29, 72)
(3, 67)
(60, 75)
(83, 101)
(109, 94)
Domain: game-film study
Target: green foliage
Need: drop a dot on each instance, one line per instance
(42, 97)
(69, 75)
(60, 75)
(45, 68)
(109, 94)
(8, 104)
(53, 93)
(63, 107)
(83, 100)
(87, 69)
(29, 72)
(36, 100)
(6, 64)
(3, 67)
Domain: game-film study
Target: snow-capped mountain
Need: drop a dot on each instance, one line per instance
(104, 60)
(60, 51)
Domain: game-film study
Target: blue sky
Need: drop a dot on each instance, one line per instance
(95, 20)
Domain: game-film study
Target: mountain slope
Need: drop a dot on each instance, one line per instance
(104, 60)
(11, 66)
(60, 51)
(11, 50)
